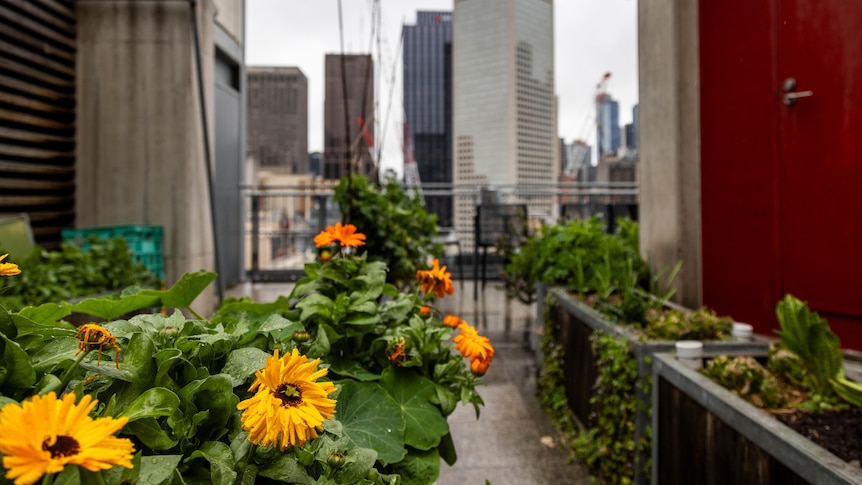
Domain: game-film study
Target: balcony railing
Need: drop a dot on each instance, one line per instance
(282, 220)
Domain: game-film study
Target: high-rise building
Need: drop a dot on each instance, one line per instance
(427, 61)
(504, 123)
(348, 138)
(575, 155)
(608, 125)
(635, 128)
(278, 118)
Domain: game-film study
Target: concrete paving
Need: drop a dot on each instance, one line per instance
(513, 441)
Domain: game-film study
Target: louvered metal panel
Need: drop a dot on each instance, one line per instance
(37, 114)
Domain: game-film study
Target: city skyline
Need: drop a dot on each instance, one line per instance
(591, 38)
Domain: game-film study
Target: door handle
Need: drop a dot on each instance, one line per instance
(791, 95)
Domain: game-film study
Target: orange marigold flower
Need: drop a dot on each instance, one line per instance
(345, 235)
(435, 280)
(425, 311)
(8, 269)
(451, 321)
(471, 344)
(479, 366)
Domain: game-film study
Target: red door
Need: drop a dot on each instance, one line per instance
(819, 77)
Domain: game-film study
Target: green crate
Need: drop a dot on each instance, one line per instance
(144, 241)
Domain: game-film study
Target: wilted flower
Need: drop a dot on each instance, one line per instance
(92, 334)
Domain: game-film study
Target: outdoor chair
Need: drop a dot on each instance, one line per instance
(496, 224)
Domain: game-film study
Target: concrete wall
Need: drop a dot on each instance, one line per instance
(670, 141)
(140, 157)
(229, 14)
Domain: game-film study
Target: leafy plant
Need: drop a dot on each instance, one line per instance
(578, 254)
(68, 273)
(390, 367)
(398, 228)
(607, 446)
(808, 336)
(748, 379)
(700, 324)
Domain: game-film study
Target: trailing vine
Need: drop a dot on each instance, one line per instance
(551, 385)
(607, 446)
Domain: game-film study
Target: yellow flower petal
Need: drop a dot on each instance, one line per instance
(43, 435)
(289, 405)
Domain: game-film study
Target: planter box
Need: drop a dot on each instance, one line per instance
(573, 324)
(703, 433)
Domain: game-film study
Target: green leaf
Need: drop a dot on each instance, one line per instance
(215, 395)
(315, 304)
(54, 353)
(123, 475)
(372, 419)
(153, 403)
(152, 435)
(68, 476)
(235, 307)
(221, 461)
(425, 421)
(187, 289)
(357, 463)
(807, 335)
(419, 467)
(447, 450)
(15, 369)
(25, 326)
(286, 469)
(157, 470)
(359, 319)
(46, 313)
(115, 306)
(243, 363)
(350, 368)
(322, 343)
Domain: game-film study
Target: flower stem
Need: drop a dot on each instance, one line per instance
(196, 314)
(67, 376)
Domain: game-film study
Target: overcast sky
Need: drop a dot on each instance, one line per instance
(591, 37)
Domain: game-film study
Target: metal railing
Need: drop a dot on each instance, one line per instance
(280, 221)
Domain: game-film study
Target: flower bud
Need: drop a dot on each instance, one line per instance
(335, 459)
(300, 336)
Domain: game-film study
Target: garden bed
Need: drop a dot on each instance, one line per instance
(703, 433)
(573, 324)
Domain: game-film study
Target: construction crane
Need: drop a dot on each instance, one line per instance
(599, 96)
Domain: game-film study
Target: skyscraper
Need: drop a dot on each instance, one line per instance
(608, 126)
(504, 124)
(427, 61)
(278, 118)
(344, 139)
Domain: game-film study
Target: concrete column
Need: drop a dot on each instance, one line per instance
(140, 157)
(670, 141)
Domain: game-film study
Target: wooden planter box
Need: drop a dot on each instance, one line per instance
(573, 324)
(703, 433)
